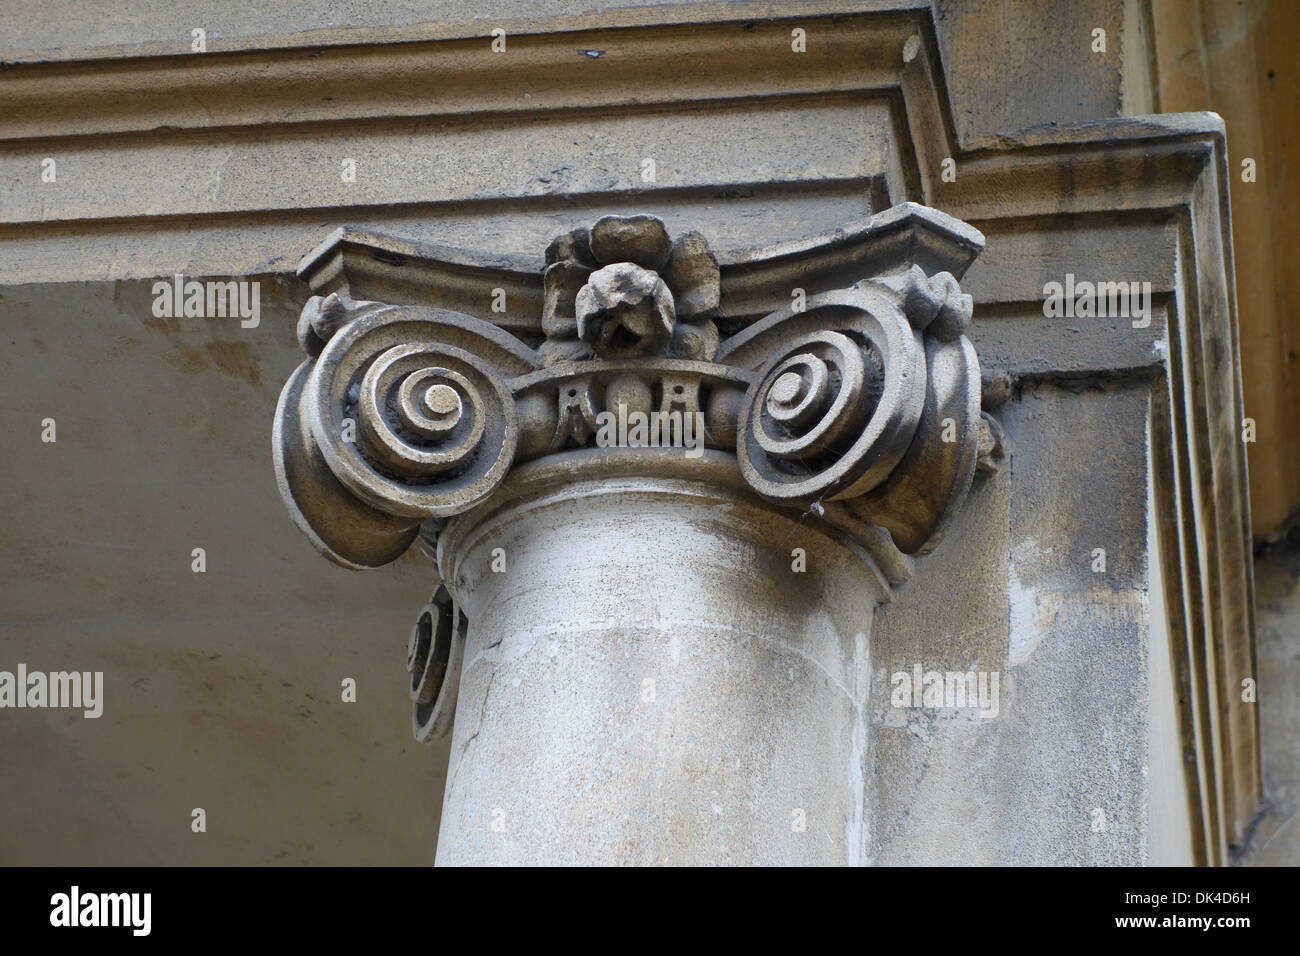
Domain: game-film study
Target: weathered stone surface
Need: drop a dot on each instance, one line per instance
(406, 422)
(624, 311)
(631, 739)
(693, 270)
(639, 239)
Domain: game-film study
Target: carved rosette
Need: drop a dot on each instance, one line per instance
(625, 289)
(857, 404)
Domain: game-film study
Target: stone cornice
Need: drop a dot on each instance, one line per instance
(600, 17)
(367, 74)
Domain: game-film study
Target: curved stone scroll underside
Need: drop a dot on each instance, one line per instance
(433, 659)
(859, 401)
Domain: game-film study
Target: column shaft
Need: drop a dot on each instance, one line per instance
(647, 680)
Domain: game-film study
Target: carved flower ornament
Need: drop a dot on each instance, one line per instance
(623, 289)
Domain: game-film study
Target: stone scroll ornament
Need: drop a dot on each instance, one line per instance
(861, 404)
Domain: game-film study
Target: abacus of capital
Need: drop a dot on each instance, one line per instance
(645, 656)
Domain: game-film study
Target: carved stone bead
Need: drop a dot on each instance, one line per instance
(537, 416)
(630, 392)
(722, 414)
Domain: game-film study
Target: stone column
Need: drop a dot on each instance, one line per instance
(652, 635)
(649, 680)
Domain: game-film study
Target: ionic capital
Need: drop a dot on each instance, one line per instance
(855, 401)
